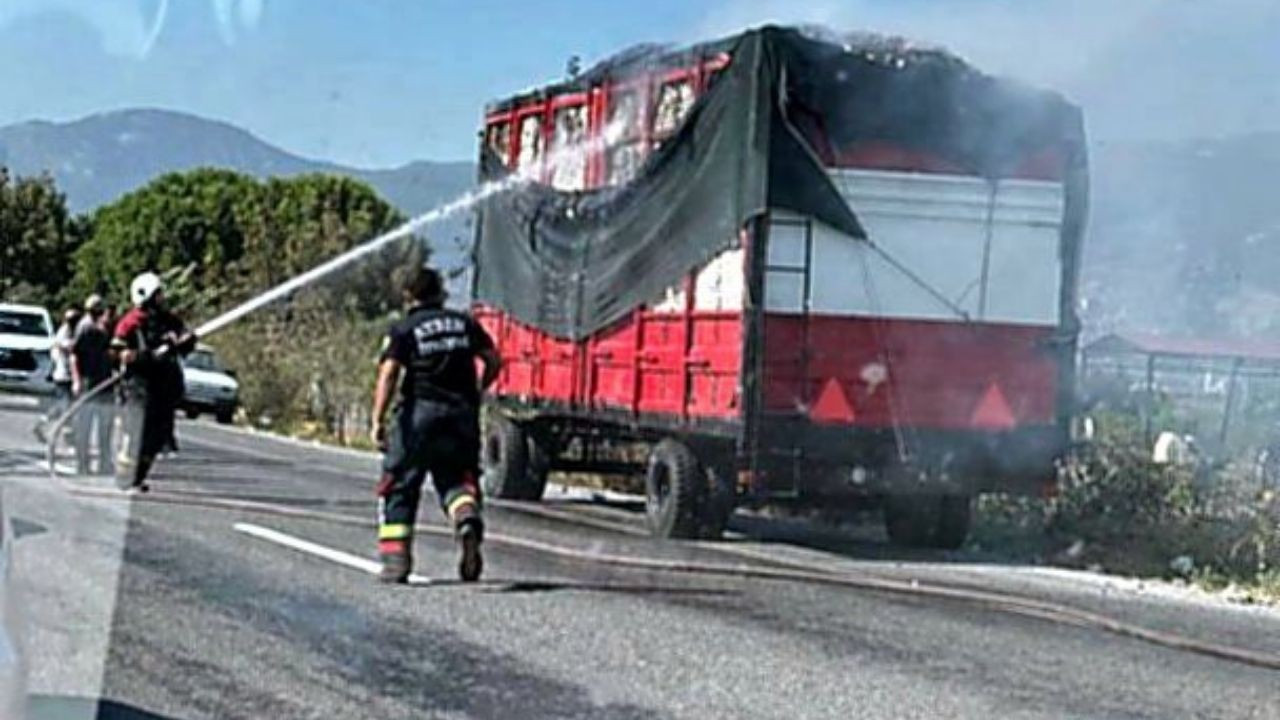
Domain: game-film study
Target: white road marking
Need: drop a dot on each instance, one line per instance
(339, 557)
(42, 468)
(8, 401)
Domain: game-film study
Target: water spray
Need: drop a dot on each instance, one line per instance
(610, 135)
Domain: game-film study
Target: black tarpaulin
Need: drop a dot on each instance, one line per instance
(571, 263)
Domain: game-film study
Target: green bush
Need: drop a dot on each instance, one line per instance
(1119, 510)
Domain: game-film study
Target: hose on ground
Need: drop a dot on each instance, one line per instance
(996, 601)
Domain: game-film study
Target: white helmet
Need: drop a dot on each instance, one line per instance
(145, 287)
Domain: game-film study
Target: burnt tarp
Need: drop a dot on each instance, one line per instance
(846, 91)
(571, 263)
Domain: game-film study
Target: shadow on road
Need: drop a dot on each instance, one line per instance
(860, 543)
(860, 540)
(505, 587)
(197, 459)
(45, 707)
(543, 586)
(26, 528)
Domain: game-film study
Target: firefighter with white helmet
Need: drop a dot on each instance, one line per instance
(148, 342)
(144, 287)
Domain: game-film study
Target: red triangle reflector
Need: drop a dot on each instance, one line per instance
(832, 403)
(993, 411)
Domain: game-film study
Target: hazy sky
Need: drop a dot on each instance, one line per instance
(382, 82)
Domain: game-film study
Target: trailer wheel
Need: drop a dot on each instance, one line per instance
(510, 473)
(909, 519)
(721, 497)
(927, 521)
(954, 516)
(674, 486)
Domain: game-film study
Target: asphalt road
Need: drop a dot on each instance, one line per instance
(142, 609)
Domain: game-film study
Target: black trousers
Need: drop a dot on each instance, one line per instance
(149, 415)
(423, 437)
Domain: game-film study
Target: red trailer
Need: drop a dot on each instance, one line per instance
(912, 353)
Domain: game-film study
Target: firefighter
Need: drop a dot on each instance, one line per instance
(148, 341)
(435, 427)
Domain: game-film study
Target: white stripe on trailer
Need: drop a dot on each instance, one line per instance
(944, 231)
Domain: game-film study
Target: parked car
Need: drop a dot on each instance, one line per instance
(210, 387)
(26, 337)
(13, 669)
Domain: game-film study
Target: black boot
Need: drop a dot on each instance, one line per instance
(471, 562)
(396, 566)
(132, 477)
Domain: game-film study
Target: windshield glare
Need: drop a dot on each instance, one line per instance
(659, 360)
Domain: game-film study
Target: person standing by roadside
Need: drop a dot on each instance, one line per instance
(60, 355)
(91, 366)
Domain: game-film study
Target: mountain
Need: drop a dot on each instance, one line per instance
(101, 157)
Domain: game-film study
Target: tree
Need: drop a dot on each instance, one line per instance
(194, 219)
(303, 221)
(322, 344)
(37, 238)
(232, 236)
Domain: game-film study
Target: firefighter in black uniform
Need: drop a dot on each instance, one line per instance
(148, 342)
(436, 426)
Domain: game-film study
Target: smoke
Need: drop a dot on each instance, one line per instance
(1154, 69)
(1182, 111)
(131, 28)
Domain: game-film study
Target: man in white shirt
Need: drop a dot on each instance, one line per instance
(63, 342)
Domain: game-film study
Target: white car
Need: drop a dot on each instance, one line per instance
(26, 337)
(210, 387)
(13, 669)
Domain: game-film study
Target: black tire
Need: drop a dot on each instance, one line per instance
(955, 513)
(192, 413)
(722, 496)
(927, 521)
(539, 467)
(225, 417)
(675, 487)
(509, 473)
(909, 520)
